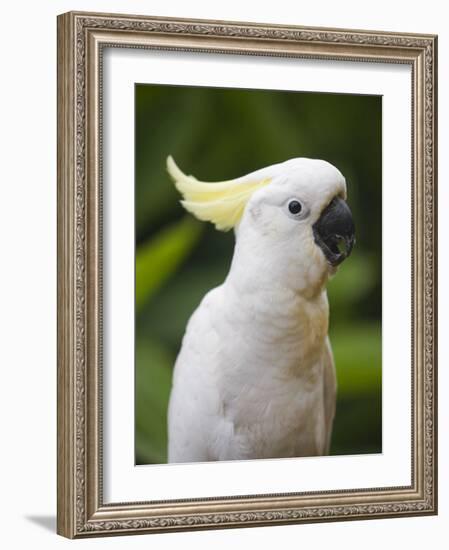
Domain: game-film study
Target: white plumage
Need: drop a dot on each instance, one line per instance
(255, 377)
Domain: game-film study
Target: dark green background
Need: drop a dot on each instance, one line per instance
(219, 134)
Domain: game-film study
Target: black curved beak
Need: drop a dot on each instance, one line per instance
(334, 232)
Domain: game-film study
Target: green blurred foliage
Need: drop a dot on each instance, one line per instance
(166, 250)
(219, 134)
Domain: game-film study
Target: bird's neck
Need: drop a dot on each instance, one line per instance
(287, 329)
(262, 267)
(280, 305)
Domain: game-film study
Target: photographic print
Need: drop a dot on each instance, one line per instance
(258, 282)
(246, 274)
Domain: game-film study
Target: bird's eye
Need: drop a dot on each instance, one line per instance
(294, 207)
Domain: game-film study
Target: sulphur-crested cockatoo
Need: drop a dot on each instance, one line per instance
(255, 375)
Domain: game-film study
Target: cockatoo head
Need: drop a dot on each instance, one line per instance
(292, 216)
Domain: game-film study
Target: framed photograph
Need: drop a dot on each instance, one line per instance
(246, 274)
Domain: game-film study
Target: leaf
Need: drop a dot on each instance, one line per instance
(358, 359)
(355, 278)
(159, 258)
(152, 389)
(159, 132)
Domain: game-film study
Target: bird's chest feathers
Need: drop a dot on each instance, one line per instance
(278, 329)
(273, 368)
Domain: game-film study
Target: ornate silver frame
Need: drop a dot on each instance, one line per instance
(81, 39)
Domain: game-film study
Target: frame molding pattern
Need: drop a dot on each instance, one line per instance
(81, 511)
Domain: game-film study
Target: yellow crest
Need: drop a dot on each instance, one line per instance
(221, 203)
